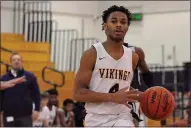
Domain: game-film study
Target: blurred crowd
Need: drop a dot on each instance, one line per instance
(71, 114)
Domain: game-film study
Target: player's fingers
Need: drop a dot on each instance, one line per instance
(136, 97)
(132, 91)
(131, 100)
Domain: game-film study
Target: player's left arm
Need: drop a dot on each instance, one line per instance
(135, 62)
(143, 67)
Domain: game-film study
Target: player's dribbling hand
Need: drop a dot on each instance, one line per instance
(123, 96)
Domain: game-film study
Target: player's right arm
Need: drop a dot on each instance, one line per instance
(81, 92)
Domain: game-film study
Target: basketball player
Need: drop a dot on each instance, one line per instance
(43, 119)
(106, 72)
(66, 115)
(52, 105)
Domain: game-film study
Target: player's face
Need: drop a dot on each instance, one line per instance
(16, 62)
(69, 107)
(53, 100)
(116, 26)
(44, 101)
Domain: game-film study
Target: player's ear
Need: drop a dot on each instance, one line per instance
(105, 26)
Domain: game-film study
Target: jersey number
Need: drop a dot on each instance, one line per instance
(114, 89)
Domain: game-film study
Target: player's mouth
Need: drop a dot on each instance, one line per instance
(118, 32)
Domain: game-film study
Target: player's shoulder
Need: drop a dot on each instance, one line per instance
(135, 55)
(60, 110)
(90, 54)
(139, 51)
(45, 109)
(54, 108)
(135, 48)
(135, 59)
(92, 50)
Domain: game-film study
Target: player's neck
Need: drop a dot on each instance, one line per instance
(114, 45)
(50, 107)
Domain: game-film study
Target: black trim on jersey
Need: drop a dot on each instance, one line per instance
(96, 57)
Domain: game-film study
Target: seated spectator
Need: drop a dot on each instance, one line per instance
(43, 119)
(53, 106)
(65, 116)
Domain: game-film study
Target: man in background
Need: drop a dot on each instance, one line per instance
(17, 101)
(11, 83)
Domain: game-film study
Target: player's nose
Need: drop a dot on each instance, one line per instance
(118, 25)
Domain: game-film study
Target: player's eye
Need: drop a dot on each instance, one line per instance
(123, 22)
(114, 21)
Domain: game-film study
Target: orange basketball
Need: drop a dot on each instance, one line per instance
(157, 103)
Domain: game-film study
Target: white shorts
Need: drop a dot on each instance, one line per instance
(121, 120)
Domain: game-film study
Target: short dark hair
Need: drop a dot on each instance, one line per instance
(68, 101)
(44, 94)
(115, 8)
(52, 92)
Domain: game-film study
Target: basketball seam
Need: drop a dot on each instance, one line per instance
(158, 104)
(148, 103)
(168, 108)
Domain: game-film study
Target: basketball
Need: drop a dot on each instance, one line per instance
(157, 103)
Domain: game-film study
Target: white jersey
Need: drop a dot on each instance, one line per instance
(43, 115)
(110, 75)
(52, 115)
(66, 117)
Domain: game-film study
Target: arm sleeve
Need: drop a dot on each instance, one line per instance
(35, 91)
(148, 78)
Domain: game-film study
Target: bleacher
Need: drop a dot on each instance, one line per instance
(36, 56)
